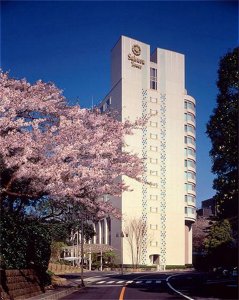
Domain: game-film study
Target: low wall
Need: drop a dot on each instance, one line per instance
(19, 284)
(62, 269)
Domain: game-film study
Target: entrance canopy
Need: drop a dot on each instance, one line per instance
(90, 248)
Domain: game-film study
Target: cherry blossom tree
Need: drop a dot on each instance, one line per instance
(200, 231)
(50, 150)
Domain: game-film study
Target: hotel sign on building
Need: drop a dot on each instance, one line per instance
(136, 62)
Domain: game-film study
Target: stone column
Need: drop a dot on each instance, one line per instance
(106, 231)
(100, 232)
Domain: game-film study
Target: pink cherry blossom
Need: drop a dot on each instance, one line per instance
(64, 152)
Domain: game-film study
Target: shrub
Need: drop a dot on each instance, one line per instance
(175, 267)
(25, 243)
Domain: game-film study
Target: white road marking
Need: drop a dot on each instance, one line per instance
(172, 288)
(127, 282)
(91, 279)
(130, 281)
(107, 285)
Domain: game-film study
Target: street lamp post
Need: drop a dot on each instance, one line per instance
(101, 261)
(82, 251)
(121, 235)
(90, 259)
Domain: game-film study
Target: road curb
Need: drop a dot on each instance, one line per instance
(55, 295)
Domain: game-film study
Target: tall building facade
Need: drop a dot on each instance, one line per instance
(143, 84)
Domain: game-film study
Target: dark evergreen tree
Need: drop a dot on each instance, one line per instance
(222, 129)
(220, 246)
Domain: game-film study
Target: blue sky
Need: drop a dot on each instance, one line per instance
(69, 43)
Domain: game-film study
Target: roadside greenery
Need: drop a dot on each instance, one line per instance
(25, 243)
(215, 240)
(220, 247)
(222, 129)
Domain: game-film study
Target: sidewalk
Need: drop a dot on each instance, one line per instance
(58, 291)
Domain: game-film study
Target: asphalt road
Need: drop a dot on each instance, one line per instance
(124, 287)
(153, 286)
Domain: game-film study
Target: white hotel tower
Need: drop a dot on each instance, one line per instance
(154, 84)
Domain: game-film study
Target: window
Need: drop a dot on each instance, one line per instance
(190, 187)
(190, 210)
(190, 163)
(153, 173)
(191, 151)
(153, 244)
(153, 148)
(153, 112)
(153, 136)
(189, 105)
(189, 140)
(153, 227)
(185, 152)
(108, 102)
(189, 128)
(189, 117)
(153, 160)
(154, 185)
(153, 197)
(153, 100)
(153, 209)
(191, 175)
(190, 198)
(153, 78)
(153, 124)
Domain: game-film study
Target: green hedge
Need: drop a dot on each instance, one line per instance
(175, 267)
(146, 267)
(25, 243)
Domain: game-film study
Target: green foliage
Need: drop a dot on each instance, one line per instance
(88, 231)
(222, 129)
(175, 267)
(188, 266)
(59, 231)
(50, 273)
(220, 233)
(148, 268)
(220, 246)
(25, 243)
(109, 256)
(56, 250)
